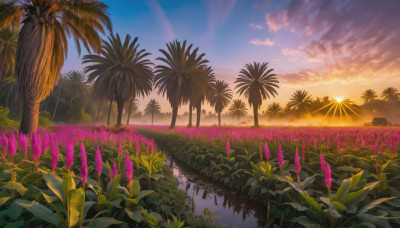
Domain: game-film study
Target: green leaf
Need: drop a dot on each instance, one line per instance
(135, 188)
(12, 185)
(103, 222)
(75, 205)
(355, 180)
(87, 207)
(313, 203)
(143, 194)
(382, 179)
(374, 204)
(55, 185)
(15, 224)
(135, 215)
(3, 200)
(343, 189)
(112, 191)
(68, 183)
(298, 206)
(338, 206)
(307, 222)
(40, 211)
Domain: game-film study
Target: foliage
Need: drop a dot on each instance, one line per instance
(5, 122)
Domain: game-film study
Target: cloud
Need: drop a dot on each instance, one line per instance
(219, 12)
(256, 26)
(352, 40)
(290, 52)
(266, 42)
(156, 8)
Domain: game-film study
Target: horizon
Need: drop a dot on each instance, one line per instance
(306, 52)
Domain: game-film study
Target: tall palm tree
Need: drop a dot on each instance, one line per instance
(133, 107)
(237, 109)
(390, 94)
(8, 49)
(369, 95)
(152, 108)
(75, 85)
(220, 97)
(42, 43)
(122, 71)
(180, 74)
(300, 101)
(257, 83)
(203, 93)
(274, 110)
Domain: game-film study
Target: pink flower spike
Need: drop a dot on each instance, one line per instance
(129, 167)
(266, 151)
(114, 171)
(98, 161)
(322, 162)
(12, 144)
(297, 161)
(84, 168)
(280, 156)
(328, 179)
(69, 155)
(54, 153)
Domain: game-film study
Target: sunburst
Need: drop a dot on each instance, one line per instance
(340, 107)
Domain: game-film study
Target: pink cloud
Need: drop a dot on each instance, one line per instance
(256, 26)
(266, 42)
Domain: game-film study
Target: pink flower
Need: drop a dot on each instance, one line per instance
(12, 144)
(322, 162)
(328, 179)
(114, 171)
(228, 148)
(23, 144)
(266, 151)
(69, 155)
(36, 144)
(129, 167)
(98, 161)
(54, 153)
(280, 156)
(4, 144)
(84, 167)
(45, 143)
(297, 161)
(120, 151)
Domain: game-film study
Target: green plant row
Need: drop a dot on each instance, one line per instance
(360, 196)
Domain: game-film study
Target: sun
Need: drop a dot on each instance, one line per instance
(339, 99)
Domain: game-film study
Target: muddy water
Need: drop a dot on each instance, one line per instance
(229, 209)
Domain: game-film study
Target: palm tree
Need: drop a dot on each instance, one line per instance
(220, 97)
(369, 95)
(300, 101)
(237, 109)
(42, 44)
(274, 110)
(75, 85)
(390, 94)
(122, 71)
(153, 107)
(132, 107)
(203, 93)
(180, 76)
(257, 83)
(8, 48)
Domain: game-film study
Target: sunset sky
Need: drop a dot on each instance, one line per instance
(335, 48)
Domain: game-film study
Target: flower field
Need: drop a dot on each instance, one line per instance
(88, 177)
(312, 177)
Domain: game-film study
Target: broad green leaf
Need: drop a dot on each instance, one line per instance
(382, 179)
(3, 200)
(87, 207)
(135, 188)
(374, 204)
(343, 189)
(305, 221)
(143, 194)
(103, 222)
(355, 180)
(298, 206)
(39, 211)
(68, 183)
(135, 215)
(311, 201)
(76, 203)
(338, 206)
(15, 224)
(12, 185)
(112, 191)
(55, 185)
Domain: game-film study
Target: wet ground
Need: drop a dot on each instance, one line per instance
(230, 210)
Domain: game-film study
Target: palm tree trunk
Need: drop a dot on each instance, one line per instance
(152, 117)
(120, 105)
(98, 110)
(190, 115)
(129, 112)
(198, 112)
(55, 108)
(255, 112)
(109, 112)
(30, 116)
(219, 118)
(174, 116)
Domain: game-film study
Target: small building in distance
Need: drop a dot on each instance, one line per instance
(377, 121)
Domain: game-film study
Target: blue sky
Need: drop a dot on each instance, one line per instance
(312, 45)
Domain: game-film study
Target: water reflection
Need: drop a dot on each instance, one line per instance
(230, 210)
